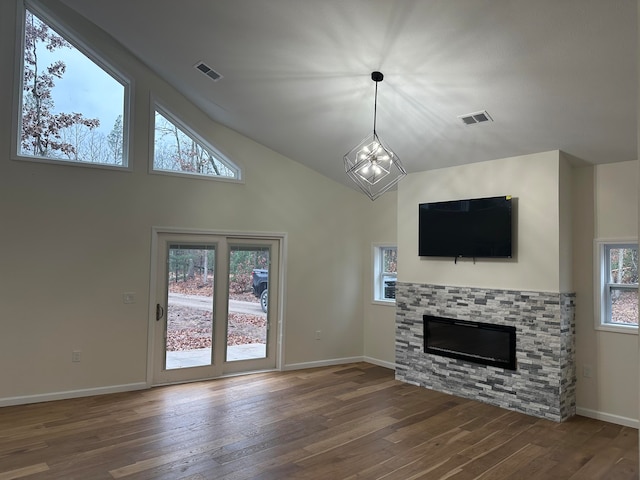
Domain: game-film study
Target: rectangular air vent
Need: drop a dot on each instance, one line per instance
(476, 117)
(208, 71)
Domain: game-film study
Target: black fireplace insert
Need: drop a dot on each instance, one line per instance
(483, 343)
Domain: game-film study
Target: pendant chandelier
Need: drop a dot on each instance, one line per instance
(371, 164)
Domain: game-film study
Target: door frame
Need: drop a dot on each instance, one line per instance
(278, 314)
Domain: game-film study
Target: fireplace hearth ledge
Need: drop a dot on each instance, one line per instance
(543, 384)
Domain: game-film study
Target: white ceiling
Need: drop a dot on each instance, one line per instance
(553, 74)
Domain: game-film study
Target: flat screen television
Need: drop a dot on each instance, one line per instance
(477, 227)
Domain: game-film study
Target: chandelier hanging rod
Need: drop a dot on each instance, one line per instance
(376, 77)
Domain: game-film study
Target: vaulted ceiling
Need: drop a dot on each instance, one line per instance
(552, 74)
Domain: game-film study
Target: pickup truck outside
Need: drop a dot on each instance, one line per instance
(260, 286)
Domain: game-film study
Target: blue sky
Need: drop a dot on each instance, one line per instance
(85, 88)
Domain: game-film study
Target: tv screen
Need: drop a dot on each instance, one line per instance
(478, 228)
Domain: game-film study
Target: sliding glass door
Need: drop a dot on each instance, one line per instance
(216, 298)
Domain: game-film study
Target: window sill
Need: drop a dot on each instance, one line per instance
(387, 303)
(215, 178)
(71, 163)
(627, 329)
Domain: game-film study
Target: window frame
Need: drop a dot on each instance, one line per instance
(379, 274)
(603, 288)
(54, 22)
(157, 105)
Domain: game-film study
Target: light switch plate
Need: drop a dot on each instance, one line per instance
(129, 297)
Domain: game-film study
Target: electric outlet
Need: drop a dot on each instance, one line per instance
(75, 356)
(586, 371)
(128, 297)
(318, 333)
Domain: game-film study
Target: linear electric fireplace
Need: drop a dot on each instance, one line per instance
(543, 383)
(477, 342)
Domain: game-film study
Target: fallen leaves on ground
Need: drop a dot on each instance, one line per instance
(189, 329)
(625, 308)
(196, 286)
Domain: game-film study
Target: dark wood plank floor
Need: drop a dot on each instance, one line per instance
(336, 423)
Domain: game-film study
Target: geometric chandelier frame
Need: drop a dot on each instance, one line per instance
(371, 164)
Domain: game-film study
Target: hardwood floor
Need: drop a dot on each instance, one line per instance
(338, 423)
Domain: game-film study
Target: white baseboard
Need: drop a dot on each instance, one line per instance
(48, 397)
(608, 417)
(380, 363)
(322, 363)
(339, 361)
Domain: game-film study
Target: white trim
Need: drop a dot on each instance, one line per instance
(608, 417)
(322, 363)
(380, 363)
(70, 163)
(616, 240)
(157, 105)
(87, 392)
(615, 328)
(282, 255)
(16, 88)
(282, 298)
(208, 379)
(376, 261)
(229, 233)
(70, 34)
(151, 321)
(599, 244)
(386, 303)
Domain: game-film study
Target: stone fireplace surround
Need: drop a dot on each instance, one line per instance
(543, 384)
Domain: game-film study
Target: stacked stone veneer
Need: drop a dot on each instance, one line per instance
(543, 383)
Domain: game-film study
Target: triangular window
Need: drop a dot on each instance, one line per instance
(177, 149)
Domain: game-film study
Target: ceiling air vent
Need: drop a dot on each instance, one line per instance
(477, 117)
(208, 71)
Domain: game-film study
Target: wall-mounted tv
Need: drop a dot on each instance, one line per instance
(477, 228)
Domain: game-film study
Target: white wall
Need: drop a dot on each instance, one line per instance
(565, 209)
(74, 239)
(533, 181)
(379, 320)
(606, 207)
(616, 190)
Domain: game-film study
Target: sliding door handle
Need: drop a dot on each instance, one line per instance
(159, 312)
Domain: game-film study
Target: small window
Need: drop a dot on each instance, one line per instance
(385, 258)
(618, 286)
(71, 108)
(178, 150)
